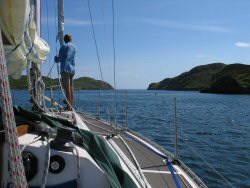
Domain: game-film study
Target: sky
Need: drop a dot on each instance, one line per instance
(154, 39)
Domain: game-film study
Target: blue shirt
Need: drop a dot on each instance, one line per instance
(67, 58)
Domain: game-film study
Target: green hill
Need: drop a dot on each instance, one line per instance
(233, 79)
(79, 83)
(211, 78)
(90, 83)
(197, 79)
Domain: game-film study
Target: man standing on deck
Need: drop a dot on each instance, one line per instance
(67, 69)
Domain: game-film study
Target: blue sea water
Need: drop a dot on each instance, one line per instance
(214, 130)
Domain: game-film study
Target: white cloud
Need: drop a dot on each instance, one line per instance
(72, 22)
(242, 44)
(68, 22)
(186, 26)
(200, 56)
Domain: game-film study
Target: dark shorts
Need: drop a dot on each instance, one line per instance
(67, 79)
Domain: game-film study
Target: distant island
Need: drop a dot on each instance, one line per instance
(84, 83)
(211, 78)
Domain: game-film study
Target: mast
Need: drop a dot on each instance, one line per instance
(35, 72)
(60, 22)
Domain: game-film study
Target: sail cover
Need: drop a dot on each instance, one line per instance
(21, 41)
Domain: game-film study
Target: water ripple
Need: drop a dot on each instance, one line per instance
(216, 126)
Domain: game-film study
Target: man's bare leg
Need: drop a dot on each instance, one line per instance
(72, 95)
(68, 96)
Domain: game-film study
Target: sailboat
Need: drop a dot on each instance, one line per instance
(56, 148)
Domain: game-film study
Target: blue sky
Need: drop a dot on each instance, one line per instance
(154, 39)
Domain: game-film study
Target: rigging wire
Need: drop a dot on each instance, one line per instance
(114, 50)
(48, 39)
(55, 11)
(93, 32)
(114, 59)
(51, 67)
(55, 22)
(60, 84)
(48, 32)
(105, 35)
(58, 72)
(183, 138)
(98, 56)
(107, 49)
(103, 15)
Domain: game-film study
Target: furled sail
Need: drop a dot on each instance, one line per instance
(21, 41)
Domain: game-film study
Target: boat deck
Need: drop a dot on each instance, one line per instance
(152, 165)
(148, 157)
